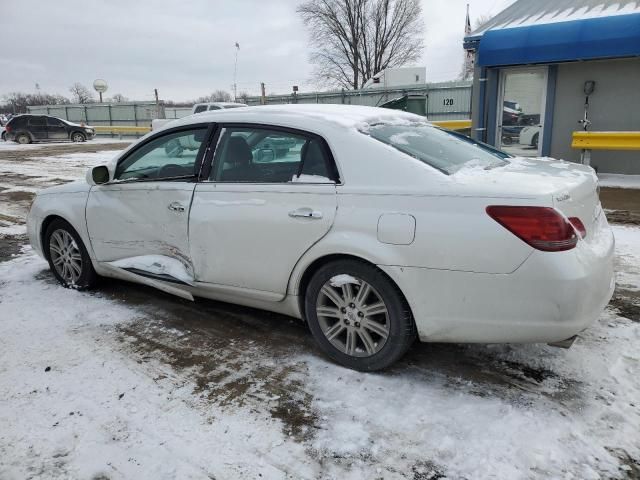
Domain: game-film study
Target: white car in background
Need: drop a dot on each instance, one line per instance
(530, 135)
(197, 108)
(370, 224)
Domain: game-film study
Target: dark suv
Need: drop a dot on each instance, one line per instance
(42, 128)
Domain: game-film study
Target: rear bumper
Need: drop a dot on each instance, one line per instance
(550, 298)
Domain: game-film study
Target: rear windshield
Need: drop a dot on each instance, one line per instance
(442, 149)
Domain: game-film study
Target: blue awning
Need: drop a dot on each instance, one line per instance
(588, 39)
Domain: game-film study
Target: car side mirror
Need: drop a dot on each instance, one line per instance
(100, 174)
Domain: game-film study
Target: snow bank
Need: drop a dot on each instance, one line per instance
(615, 180)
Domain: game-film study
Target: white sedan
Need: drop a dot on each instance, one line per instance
(370, 224)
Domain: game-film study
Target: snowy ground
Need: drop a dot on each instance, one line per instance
(127, 382)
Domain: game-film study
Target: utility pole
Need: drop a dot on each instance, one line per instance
(263, 97)
(155, 92)
(235, 73)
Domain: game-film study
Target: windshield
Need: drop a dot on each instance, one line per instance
(442, 149)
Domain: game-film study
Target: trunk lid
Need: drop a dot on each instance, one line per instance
(572, 188)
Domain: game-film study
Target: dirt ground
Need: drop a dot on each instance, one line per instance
(208, 341)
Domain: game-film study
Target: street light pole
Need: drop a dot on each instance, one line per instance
(235, 73)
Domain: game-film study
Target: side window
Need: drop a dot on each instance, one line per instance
(36, 121)
(260, 155)
(200, 108)
(214, 107)
(54, 122)
(170, 156)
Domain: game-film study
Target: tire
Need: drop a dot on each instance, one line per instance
(78, 137)
(534, 140)
(4, 136)
(59, 238)
(23, 139)
(347, 334)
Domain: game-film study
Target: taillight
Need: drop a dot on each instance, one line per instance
(7, 129)
(543, 228)
(579, 226)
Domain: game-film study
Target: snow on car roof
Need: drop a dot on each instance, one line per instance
(351, 116)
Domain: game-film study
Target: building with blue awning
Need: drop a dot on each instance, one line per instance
(543, 68)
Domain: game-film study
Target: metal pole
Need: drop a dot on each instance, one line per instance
(235, 73)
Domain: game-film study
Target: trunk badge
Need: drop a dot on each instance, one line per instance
(563, 198)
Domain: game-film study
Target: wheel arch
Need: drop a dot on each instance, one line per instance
(301, 285)
(43, 229)
(73, 132)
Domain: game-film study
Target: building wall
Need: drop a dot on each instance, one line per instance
(614, 105)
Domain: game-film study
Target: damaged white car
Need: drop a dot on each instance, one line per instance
(370, 224)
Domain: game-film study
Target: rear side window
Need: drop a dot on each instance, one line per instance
(441, 149)
(200, 108)
(37, 121)
(261, 155)
(54, 122)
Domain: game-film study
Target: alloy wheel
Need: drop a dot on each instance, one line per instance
(353, 316)
(65, 256)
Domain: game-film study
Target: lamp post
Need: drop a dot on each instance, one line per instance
(235, 72)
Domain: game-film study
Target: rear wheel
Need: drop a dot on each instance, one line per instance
(68, 258)
(23, 139)
(78, 137)
(358, 316)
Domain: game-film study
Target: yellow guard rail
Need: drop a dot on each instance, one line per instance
(120, 129)
(453, 124)
(606, 140)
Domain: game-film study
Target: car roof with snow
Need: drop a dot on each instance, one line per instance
(303, 116)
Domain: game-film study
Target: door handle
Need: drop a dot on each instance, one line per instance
(306, 212)
(176, 207)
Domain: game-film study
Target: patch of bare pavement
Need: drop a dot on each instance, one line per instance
(59, 149)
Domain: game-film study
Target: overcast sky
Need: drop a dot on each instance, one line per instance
(186, 48)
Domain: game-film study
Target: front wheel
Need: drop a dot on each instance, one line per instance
(78, 137)
(68, 258)
(358, 316)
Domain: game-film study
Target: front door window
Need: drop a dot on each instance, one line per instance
(170, 156)
(521, 111)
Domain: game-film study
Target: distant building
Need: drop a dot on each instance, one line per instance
(534, 66)
(398, 77)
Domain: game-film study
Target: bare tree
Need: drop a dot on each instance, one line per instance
(353, 40)
(216, 96)
(118, 98)
(243, 97)
(17, 102)
(80, 93)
